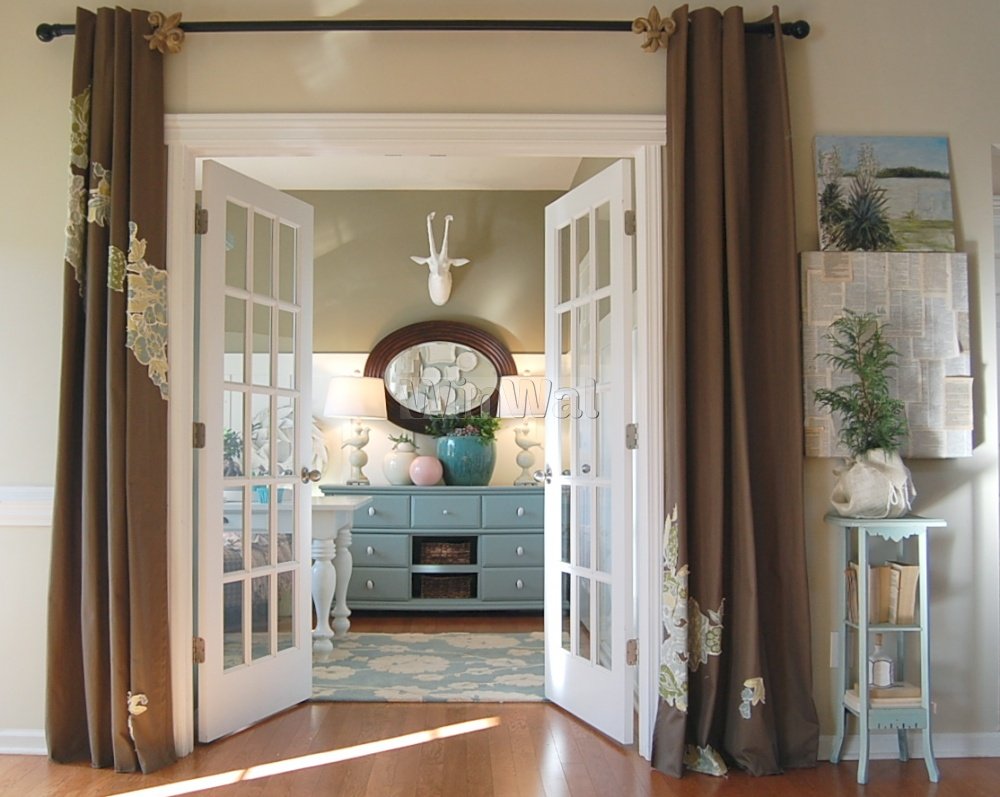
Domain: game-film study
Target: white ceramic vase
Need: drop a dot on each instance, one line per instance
(396, 465)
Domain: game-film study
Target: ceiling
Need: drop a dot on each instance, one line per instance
(407, 172)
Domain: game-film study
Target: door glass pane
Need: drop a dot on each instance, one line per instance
(286, 523)
(236, 245)
(603, 530)
(567, 622)
(602, 641)
(284, 437)
(567, 519)
(260, 511)
(260, 591)
(582, 359)
(584, 269)
(584, 528)
(286, 350)
(565, 409)
(232, 529)
(583, 617)
(260, 454)
(261, 366)
(232, 624)
(602, 245)
(604, 363)
(286, 263)
(232, 434)
(565, 256)
(286, 607)
(263, 240)
(603, 437)
(585, 435)
(235, 343)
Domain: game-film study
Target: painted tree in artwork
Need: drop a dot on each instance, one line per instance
(859, 220)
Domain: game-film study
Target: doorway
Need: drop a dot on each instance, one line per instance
(190, 138)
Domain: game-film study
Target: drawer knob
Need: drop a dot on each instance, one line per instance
(519, 583)
(370, 550)
(444, 512)
(519, 550)
(369, 584)
(520, 511)
(371, 511)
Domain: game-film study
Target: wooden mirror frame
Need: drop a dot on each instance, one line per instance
(423, 332)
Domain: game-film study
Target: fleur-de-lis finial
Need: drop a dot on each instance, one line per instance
(167, 35)
(656, 28)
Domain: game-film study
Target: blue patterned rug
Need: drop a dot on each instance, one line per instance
(446, 667)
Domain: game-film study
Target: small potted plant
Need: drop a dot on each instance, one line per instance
(873, 482)
(396, 464)
(466, 447)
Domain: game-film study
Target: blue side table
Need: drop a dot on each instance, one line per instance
(858, 534)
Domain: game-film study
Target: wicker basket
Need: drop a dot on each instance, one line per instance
(444, 552)
(452, 586)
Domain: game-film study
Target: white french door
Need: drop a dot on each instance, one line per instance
(588, 510)
(254, 393)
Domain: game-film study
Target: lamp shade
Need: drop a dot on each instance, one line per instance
(524, 396)
(355, 397)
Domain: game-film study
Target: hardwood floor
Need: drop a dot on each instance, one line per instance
(458, 750)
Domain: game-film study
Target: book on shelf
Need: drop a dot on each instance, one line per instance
(899, 695)
(892, 593)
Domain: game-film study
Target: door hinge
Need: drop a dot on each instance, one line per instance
(200, 220)
(632, 652)
(197, 435)
(630, 222)
(631, 436)
(198, 650)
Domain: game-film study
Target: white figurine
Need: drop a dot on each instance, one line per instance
(439, 264)
(525, 458)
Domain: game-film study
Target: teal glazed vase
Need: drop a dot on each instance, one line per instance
(467, 461)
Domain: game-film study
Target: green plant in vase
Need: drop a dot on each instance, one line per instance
(874, 481)
(466, 446)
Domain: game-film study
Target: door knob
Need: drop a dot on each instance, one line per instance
(543, 475)
(585, 468)
(309, 475)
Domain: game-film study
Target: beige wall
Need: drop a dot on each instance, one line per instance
(896, 66)
(366, 286)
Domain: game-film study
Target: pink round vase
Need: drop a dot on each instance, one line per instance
(425, 471)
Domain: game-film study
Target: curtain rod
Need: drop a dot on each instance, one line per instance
(47, 32)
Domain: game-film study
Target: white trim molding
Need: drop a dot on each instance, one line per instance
(946, 745)
(23, 741)
(26, 506)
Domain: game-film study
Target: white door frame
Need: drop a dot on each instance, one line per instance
(190, 137)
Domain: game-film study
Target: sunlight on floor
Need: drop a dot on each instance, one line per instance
(313, 760)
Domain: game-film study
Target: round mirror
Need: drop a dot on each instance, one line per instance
(438, 368)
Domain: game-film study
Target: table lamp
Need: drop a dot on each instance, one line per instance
(358, 398)
(524, 397)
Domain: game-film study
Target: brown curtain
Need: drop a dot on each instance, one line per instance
(108, 690)
(736, 678)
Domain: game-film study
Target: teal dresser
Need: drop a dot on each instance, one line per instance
(447, 548)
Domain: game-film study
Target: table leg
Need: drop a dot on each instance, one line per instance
(324, 583)
(343, 563)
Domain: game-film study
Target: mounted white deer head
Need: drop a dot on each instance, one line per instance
(438, 262)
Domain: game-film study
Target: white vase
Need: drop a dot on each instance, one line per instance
(875, 484)
(396, 465)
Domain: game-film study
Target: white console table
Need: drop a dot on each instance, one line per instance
(332, 518)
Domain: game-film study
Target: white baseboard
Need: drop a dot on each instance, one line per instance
(26, 506)
(946, 745)
(19, 741)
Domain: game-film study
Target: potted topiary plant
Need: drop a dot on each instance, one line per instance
(873, 482)
(466, 447)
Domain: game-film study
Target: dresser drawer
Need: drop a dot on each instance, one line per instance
(446, 511)
(384, 512)
(380, 550)
(514, 511)
(512, 584)
(512, 550)
(379, 584)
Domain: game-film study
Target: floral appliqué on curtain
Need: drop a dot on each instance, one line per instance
(99, 204)
(79, 156)
(752, 695)
(147, 310)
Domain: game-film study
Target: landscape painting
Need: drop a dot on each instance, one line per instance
(884, 194)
